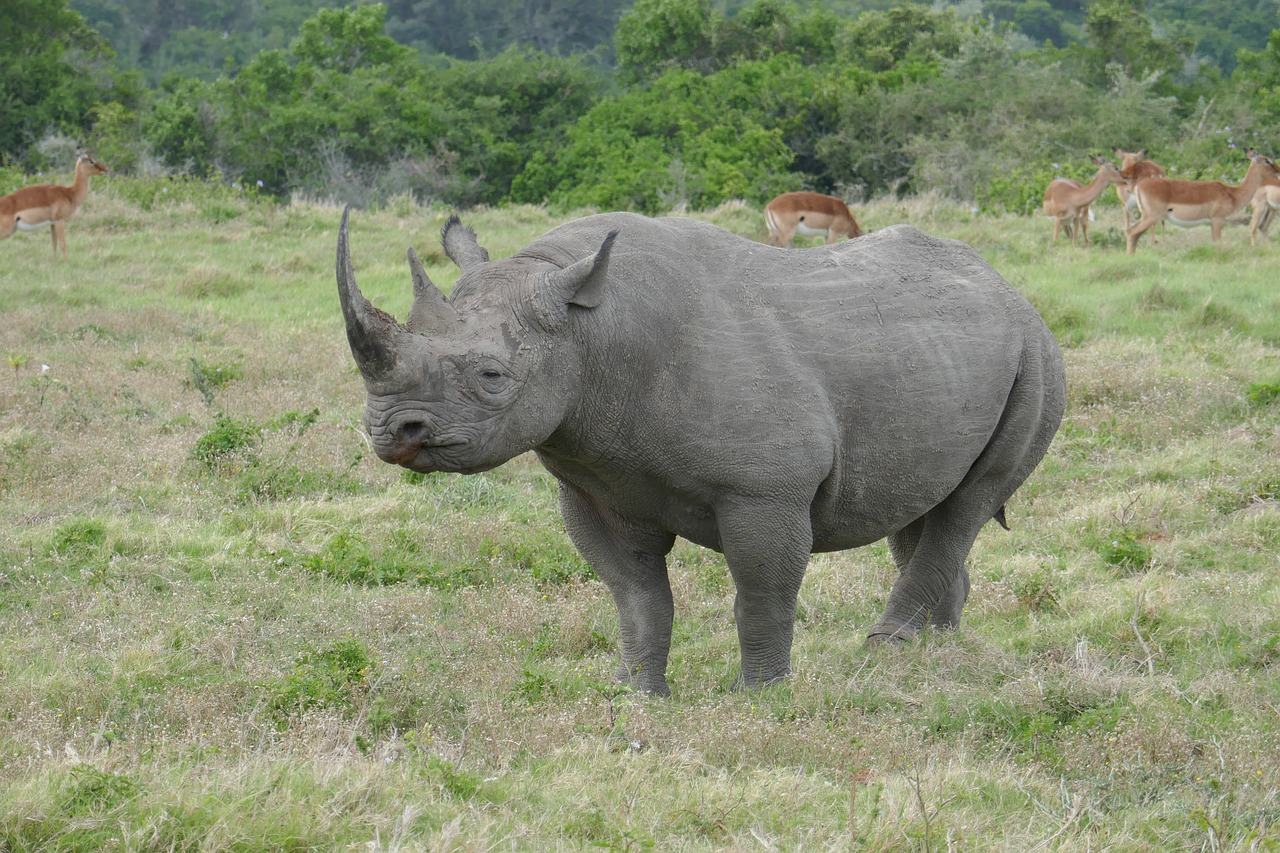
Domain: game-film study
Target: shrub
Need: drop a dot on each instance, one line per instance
(229, 440)
(335, 678)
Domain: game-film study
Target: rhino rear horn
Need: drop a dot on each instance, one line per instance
(431, 313)
(460, 244)
(370, 331)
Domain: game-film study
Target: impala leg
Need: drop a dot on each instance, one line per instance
(59, 229)
(1216, 228)
(1144, 224)
(1256, 222)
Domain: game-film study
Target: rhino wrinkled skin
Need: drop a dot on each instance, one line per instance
(767, 403)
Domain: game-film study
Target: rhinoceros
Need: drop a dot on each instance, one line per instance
(679, 380)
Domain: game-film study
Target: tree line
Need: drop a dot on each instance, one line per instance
(695, 104)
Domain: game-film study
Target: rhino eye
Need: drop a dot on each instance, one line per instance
(491, 379)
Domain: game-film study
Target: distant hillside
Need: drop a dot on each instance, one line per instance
(203, 40)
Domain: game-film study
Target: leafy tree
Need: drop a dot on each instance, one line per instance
(180, 127)
(655, 36)
(1258, 79)
(1036, 18)
(54, 73)
(503, 110)
(1120, 33)
(478, 29)
(684, 140)
(904, 35)
(344, 40)
(765, 28)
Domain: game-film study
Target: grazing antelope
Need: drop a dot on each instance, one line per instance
(809, 215)
(1135, 167)
(1188, 203)
(48, 204)
(1067, 201)
(1266, 201)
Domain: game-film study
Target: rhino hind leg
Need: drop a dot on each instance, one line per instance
(632, 563)
(945, 613)
(932, 583)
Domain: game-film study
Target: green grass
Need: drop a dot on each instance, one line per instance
(224, 625)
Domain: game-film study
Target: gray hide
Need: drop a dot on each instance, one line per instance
(679, 380)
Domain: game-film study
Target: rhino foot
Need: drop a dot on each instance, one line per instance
(886, 634)
(642, 682)
(741, 685)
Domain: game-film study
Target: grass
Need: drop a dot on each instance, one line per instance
(224, 625)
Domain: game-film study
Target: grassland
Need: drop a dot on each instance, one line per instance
(224, 625)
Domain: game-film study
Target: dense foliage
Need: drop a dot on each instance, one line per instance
(688, 102)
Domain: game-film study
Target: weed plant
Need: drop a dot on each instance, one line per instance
(224, 625)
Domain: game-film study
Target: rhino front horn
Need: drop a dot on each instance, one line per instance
(370, 331)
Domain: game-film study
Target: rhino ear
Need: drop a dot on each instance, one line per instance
(460, 244)
(583, 283)
(370, 331)
(431, 313)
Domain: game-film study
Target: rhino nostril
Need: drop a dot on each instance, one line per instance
(414, 431)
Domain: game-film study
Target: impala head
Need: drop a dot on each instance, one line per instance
(1128, 158)
(472, 380)
(1269, 165)
(1109, 170)
(90, 165)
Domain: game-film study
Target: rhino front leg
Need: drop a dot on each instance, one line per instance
(767, 548)
(632, 562)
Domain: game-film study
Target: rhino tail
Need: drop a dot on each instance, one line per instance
(999, 516)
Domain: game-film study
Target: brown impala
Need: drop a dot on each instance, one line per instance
(1067, 201)
(809, 215)
(1135, 167)
(1266, 201)
(48, 205)
(1188, 203)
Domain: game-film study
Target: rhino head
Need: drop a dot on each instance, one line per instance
(477, 378)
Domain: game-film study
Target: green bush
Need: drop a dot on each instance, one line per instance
(335, 678)
(230, 442)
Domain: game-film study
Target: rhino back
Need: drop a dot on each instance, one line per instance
(865, 377)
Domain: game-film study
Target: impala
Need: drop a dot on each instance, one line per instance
(48, 205)
(1266, 201)
(809, 215)
(1188, 203)
(1067, 201)
(1135, 167)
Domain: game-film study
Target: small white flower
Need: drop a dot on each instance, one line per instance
(44, 368)
(261, 185)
